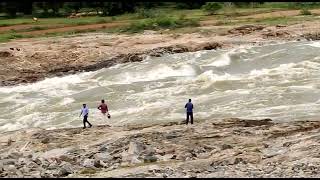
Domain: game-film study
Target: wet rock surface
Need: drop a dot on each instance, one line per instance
(311, 36)
(217, 148)
(246, 29)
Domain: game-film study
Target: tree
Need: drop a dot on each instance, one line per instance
(26, 8)
(54, 6)
(73, 6)
(2, 7)
(190, 4)
(116, 8)
(11, 8)
(212, 7)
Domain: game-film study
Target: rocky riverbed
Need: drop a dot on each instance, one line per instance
(212, 148)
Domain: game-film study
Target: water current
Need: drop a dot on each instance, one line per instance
(279, 81)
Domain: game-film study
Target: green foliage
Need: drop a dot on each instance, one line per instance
(291, 5)
(305, 12)
(242, 4)
(10, 36)
(145, 13)
(160, 23)
(212, 7)
(190, 4)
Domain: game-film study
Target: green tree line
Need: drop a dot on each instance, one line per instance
(54, 8)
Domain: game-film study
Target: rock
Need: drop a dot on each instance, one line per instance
(32, 164)
(204, 155)
(5, 54)
(251, 123)
(172, 135)
(184, 156)
(71, 71)
(88, 163)
(22, 161)
(166, 157)
(130, 159)
(311, 36)
(105, 157)
(1, 168)
(246, 29)
(8, 161)
(239, 160)
(207, 46)
(37, 161)
(36, 174)
(53, 165)
(66, 158)
(134, 58)
(280, 34)
(45, 140)
(66, 169)
(174, 157)
(280, 26)
(149, 159)
(10, 168)
(15, 155)
(226, 146)
(98, 164)
(115, 166)
(135, 148)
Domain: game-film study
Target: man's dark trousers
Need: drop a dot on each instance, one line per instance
(85, 119)
(191, 115)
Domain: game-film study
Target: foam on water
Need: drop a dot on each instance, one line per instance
(245, 82)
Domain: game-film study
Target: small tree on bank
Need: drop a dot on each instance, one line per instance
(211, 7)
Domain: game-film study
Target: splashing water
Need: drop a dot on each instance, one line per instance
(279, 81)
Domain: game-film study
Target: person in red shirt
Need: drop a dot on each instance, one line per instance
(104, 108)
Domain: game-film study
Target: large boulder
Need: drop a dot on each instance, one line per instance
(134, 151)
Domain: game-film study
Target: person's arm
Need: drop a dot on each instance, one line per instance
(192, 106)
(107, 108)
(99, 107)
(185, 106)
(80, 113)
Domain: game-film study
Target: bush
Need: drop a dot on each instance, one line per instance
(212, 7)
(145, 13)
(161, 22)
(189, 5)
(305, 12)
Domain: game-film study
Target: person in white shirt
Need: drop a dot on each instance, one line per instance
(85, 113)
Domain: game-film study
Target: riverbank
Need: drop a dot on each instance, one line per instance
(211, 148)
(31, 60)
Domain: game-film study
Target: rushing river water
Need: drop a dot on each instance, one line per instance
(280, 82)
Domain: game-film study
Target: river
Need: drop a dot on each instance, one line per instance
(279, 81)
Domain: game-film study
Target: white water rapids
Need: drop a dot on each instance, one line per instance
(279, 81)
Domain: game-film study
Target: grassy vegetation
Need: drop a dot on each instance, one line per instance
(176, 20)
(55, 21)
(305, 12)
(289, 5)
(10, 36)
(161, 23)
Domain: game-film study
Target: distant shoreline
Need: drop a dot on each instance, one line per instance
(32, 60)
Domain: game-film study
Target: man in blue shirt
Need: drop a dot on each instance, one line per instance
(85, 113)
(189, 107)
